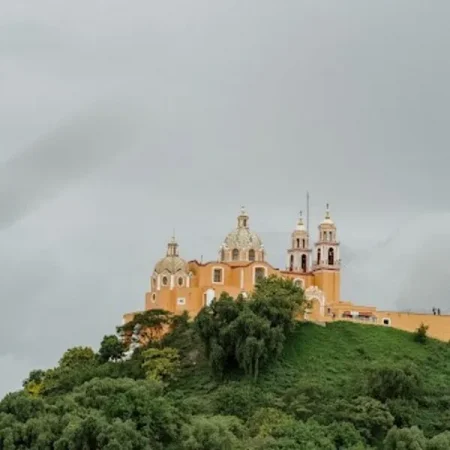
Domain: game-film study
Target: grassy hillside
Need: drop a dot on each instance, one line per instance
(243, 376)
(334, 360)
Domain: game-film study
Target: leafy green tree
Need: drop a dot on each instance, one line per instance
(369, 416)
(76, 357)
(404, 411)
(142, 402)
(344, 435)
(249, 334)
(212, 433)
(237, 399)
(161, 364)
(266, 421)
(391, 382)
(146, 327)
(111, 349)
(34, 384)
(405, 439)
(278, 300)
(255, 341)
(439, 442)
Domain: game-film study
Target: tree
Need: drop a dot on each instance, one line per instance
(369, 416)
(390, 382)
(161, 364)
(34, 385)
(420, 334)
(405, 439)
(146, 327)
(212, 433)
(278, 300)
(439, 442)
(111, 349)
(76, 357)
(249, 334)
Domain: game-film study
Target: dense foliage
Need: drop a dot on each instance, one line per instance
(242, 375)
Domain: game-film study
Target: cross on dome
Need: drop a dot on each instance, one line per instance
(327, 219)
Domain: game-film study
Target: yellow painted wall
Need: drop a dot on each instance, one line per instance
(439, 326)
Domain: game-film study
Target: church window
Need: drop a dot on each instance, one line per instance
(318, 256)
(304, 243)
(153, 297)
(260, 273)
(217, 275)
(291, 263)
(180, 281)
(298, 243)
(331, 236)
(235, 254)
(304, 263)
(165, 281)
(330, 256)
(251, 255)
(245, 222)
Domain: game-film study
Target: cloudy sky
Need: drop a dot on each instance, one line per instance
(120, 121)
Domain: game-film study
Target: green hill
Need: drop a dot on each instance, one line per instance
(243, 375)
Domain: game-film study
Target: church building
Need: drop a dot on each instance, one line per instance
(178, 285)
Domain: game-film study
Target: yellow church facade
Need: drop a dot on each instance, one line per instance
(178, 285)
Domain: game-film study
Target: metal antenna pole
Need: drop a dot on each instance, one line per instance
(307, 212)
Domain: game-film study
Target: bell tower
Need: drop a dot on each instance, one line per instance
(299, 254)
(326, 260)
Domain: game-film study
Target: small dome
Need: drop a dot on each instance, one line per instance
(172, 263)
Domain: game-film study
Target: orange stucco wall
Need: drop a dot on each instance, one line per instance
(439, 326)
(237, 278)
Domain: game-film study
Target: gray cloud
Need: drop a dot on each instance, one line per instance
(118, 124)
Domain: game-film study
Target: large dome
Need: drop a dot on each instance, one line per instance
(172, 263)
(242, 244)
(243, 238)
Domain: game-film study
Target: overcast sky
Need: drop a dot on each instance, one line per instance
(120, 121)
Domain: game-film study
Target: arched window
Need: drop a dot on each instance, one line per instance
(291, 263)
(331, 235)
(298, 243)
(304, 243)
(304, 266)
(251, 255)
(331, 257)
(235, 254)
(318, 256)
